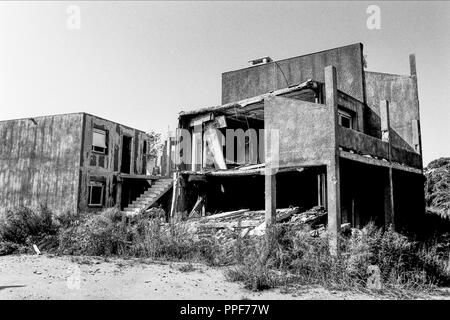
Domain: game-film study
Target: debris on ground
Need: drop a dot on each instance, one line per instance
(226, 227)
(36, 249)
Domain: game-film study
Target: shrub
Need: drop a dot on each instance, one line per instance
(148, 238)
(437, 186)
(22, 226)
(94, 234)
(255, 277)
(404, 264)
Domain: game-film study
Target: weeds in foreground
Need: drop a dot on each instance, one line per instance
(406, 268)
(290, 255)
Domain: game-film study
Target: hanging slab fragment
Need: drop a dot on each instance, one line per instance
(215, 145)
(198, 120)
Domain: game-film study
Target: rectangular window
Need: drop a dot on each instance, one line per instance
(345, 119)
(144, 151)
(99, 141)
(96, 190)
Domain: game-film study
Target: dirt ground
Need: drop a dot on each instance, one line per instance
(64, 277)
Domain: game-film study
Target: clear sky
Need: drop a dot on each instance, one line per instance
(140, 63)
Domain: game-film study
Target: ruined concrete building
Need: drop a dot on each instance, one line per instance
(334, 135)
(313, 130)
(76, 161)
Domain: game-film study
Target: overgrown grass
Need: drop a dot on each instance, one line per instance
(290, 256)
(107, 234)
(22, 227)
(406, 267)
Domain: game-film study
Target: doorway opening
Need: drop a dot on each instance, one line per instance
(126, 155)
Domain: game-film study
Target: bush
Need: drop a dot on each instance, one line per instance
(106, 233)
(254, 277)
(404, 264)
(22, 226)
(437, 186)
(94, 234)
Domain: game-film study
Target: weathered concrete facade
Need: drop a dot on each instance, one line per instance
(358, 132)
(65, 161)
(39, 161)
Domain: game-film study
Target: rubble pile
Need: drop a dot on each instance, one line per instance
(227, 227)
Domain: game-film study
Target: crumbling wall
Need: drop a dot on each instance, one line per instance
(253, 81)
(106, 167)
(39, 161)
(401, 93)
(305, 131)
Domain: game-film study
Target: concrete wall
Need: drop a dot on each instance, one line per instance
(253, 81)
(105, 168)
(305, 130)
(401, 93)
(39, 161)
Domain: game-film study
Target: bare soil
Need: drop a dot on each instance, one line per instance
(66, 277)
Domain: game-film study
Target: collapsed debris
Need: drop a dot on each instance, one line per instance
(226, 227)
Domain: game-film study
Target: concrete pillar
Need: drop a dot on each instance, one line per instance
(416, 135)
(389, 200)
(385, 120)
(271, 155)
(271, 197)
(417, 138)
(333, 183)
(412, 65)
(388, 185)
(169, 156)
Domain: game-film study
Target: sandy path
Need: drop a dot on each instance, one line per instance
(49, 277)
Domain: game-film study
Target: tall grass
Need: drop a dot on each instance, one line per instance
(404, 265)
(290, 255)
(21, 227)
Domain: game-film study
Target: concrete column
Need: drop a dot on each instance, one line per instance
(271, 197)
(417, 138)
(169, 156)
(333, 183)
(385, 120)
(389, 200)
(412, 65)
(388, 186)
(416, 135)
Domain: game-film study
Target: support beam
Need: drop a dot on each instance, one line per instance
(333, 182)
(271, 197)
(174, 203)
(389, 200)
(385, 121)
(388, 187)
(197, 143)
(214, 143)
(416, 135)
(417, 139)
(169, 155)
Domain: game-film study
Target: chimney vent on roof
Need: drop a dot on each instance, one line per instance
(260, 61)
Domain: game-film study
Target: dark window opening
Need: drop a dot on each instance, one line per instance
(345, 119)
(126, 154)
(96, 191)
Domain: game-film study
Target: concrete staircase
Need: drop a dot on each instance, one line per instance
(149, 197)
